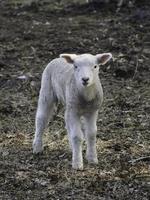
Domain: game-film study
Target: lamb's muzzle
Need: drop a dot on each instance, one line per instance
(74, 81)
(85, 80)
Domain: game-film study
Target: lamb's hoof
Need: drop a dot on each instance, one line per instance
(37, 147)
(93, 161)
(77, 166)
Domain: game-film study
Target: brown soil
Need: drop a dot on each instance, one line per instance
(31, 34)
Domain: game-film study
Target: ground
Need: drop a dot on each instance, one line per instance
(32, 34)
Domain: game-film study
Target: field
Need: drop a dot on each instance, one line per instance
(31, 34)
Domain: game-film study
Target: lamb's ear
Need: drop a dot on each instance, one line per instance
(69, 57)
(103, 58)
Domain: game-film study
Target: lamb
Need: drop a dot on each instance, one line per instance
(73, 80)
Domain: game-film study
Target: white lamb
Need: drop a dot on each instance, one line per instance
(73, 80)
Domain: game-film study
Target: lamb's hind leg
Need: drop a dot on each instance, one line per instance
(45, 110)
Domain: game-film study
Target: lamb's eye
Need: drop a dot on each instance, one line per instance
(95, 66)
(75, 67)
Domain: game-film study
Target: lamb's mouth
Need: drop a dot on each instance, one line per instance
(85, 83)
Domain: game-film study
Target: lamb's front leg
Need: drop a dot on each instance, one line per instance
(91, 131)
(76, 137)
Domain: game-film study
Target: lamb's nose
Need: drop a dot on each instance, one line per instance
(85, 80)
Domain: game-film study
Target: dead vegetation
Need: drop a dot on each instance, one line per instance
(30, 36)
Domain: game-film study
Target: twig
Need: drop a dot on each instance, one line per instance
(136, 68)
(144, 158)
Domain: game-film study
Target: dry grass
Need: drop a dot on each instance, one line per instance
(123, 124)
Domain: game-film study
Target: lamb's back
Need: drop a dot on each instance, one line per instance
(60, 73)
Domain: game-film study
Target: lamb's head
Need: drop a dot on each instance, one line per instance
(86, 67)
